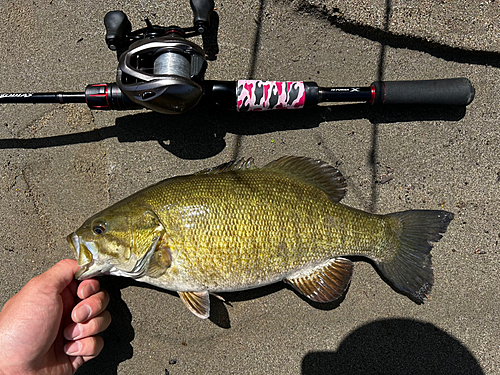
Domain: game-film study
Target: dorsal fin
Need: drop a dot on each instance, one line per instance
(234, 165)
(317, 172)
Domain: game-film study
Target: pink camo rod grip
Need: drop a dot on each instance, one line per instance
(256, 95)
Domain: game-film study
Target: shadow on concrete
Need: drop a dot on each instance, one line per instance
(373, 155)
(387, 38)
(117, 337)
(253, 64)
(200, 134)
(389, 346)
(395, 346)
(121, 333)
(219, 314)
(210, 38)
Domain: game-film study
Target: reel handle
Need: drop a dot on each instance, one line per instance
(202, 9)
(117, 27)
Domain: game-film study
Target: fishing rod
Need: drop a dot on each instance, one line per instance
(160, 69)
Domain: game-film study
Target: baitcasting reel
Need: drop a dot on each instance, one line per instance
(158, 67)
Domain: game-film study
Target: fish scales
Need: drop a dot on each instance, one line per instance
(221, 223)
(236, 227)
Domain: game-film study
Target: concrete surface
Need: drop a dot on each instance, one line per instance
(469, 25)
(61, 164)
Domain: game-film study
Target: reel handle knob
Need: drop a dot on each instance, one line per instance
(202, 9)
(117, 27)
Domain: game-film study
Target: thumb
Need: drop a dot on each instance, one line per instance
(59, 276)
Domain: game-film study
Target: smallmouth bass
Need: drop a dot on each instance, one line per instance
(236, 227)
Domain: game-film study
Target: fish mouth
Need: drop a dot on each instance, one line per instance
(90, 270)
(73, 243)
(81, 271)
(84, 254)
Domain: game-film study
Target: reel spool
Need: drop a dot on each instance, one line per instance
(163, 74)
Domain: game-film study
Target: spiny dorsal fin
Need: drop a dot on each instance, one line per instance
(234, 165)
(197, 302)
(317, 172)
(326, 282)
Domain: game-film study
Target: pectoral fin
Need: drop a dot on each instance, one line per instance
(160, 261)
(197, 302)
(325, 282)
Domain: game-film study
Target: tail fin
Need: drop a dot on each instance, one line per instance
(408, 264)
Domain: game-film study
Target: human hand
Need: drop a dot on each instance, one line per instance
(45, 328)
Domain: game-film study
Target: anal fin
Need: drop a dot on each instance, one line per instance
(325, 282)
(197, 302)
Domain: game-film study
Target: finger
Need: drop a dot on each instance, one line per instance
(68, 299)
(92, 327)
(90, 307)
(73, 286)
(87, 288)
(77, 362)
(88, 346)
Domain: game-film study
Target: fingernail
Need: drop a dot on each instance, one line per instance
(88, 291)
(82, 313)
(72, 332)
(73, 348)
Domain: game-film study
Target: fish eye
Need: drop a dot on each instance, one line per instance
(99, 228)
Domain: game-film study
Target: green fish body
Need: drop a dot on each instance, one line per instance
(236, 227)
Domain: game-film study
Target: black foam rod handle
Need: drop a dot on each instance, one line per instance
(201, 11)
(453, 91)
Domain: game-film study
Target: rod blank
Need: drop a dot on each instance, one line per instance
(47, 97)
